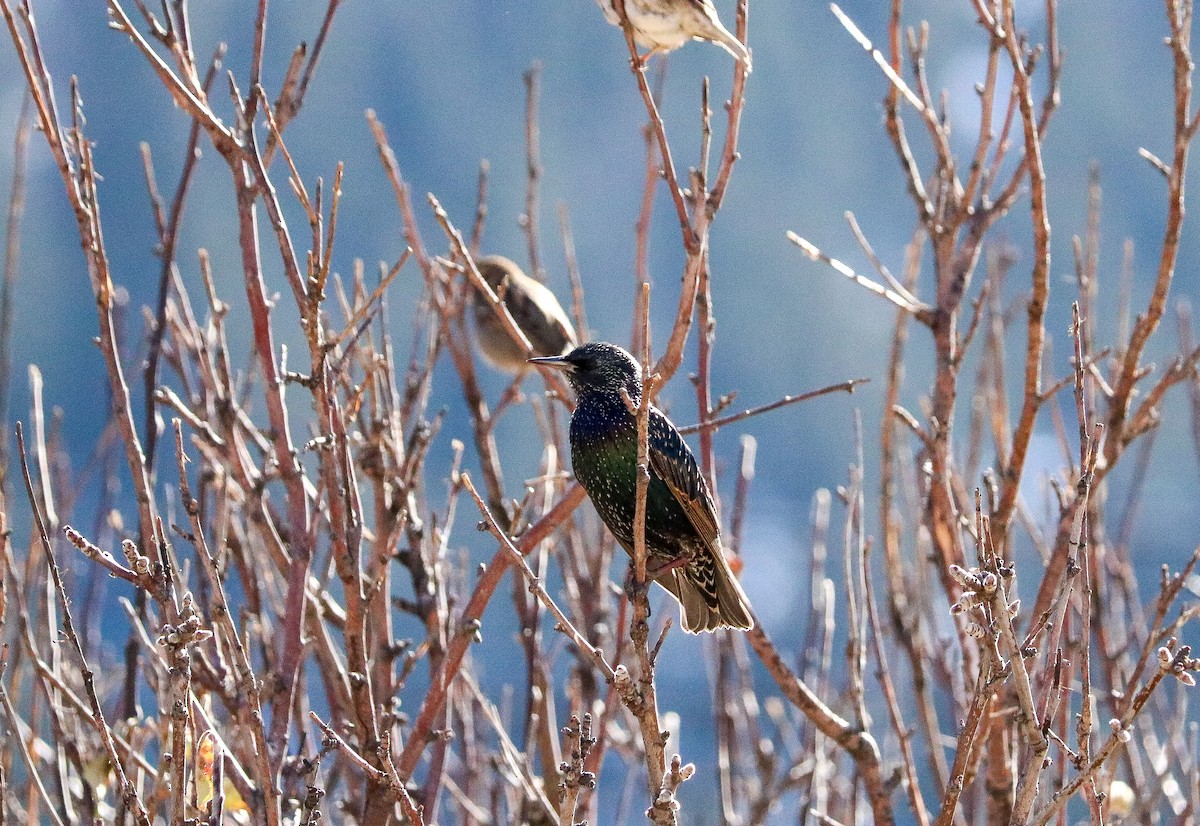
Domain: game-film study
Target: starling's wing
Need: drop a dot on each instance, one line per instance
(707, 589)
(672, 461)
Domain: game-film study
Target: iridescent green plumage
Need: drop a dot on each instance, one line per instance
(683, 539)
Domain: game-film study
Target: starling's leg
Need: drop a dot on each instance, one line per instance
(655, 571)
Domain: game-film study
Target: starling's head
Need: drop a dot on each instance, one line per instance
(599, 367)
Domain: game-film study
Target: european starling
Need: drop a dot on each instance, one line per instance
(683, 541)
(665, 25)
(532, 306)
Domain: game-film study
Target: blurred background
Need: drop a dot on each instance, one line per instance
(446, 80)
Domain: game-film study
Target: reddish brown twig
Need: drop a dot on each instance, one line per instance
(469, 623)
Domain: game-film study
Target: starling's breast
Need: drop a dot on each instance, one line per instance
(604, 459)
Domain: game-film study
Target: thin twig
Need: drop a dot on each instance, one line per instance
(715, 424)
(128, 789)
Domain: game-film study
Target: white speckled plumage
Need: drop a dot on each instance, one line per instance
(682, 534)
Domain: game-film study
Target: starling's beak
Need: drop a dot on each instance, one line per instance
(557, 362)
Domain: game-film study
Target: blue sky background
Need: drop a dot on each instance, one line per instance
(445, 78)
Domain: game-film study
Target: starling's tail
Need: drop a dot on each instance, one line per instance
(709, 595)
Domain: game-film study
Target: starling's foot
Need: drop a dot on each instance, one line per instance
(631, 583)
